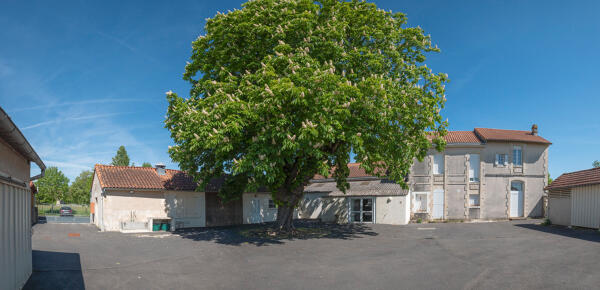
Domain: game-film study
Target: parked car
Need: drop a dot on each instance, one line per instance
(66, 211)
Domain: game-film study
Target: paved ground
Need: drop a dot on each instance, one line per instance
(501, 255)
(64, 219)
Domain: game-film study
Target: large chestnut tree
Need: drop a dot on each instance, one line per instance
(284, 90)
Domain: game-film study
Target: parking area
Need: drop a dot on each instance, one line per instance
(498, 255)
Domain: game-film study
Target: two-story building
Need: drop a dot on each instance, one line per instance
(482, 174)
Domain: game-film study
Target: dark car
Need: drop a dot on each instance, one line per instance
(66, 211)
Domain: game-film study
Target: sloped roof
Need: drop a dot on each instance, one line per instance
(577, 178)
(131, 177)
(487, 134)
(462, 137)
(376, 187)
(355, 172)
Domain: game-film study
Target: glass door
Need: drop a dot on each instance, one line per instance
(361, 210)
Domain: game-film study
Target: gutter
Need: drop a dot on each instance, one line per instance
(15, 138)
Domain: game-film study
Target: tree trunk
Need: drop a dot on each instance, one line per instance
(285, 218)
(285, 212)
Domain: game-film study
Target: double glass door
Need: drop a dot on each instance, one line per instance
(361, 210)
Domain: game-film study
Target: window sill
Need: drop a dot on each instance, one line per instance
(474, 206)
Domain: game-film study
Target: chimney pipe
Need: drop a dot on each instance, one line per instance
(160, 169)
(534, 130)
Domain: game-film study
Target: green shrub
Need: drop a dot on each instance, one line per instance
(547, 222)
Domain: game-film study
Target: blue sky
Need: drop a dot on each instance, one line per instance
(81, 78)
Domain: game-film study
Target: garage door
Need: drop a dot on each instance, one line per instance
(219, 213)
(585, 210)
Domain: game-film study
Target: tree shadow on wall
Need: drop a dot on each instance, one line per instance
(55, 270)
(264, 234)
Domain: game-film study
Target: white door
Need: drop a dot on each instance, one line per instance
(255, 213)
(438, 204)
(516, 199)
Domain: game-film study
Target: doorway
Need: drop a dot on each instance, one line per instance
(516, 199)
(438, 204)
(361, 210)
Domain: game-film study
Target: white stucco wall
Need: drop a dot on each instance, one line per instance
(266, 214)
(319, 206)
(122, 206)
(559, 210)
(186, 208)
(393, 210)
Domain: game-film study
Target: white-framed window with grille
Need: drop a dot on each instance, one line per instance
(438, 163)
(501, 160)
(517, 155)
(474, 168)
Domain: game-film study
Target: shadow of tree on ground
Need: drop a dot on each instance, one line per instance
(576, 233)
(259, 234)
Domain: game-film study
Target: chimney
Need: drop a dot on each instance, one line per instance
(534, 130)
(160, 169)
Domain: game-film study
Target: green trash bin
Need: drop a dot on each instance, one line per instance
(156, 227)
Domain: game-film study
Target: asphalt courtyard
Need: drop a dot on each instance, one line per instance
(498, 255)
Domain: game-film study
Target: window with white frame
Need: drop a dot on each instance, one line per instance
(474, 199)
(474, 167)
(501, 160)
(517, 155)
(438, 163)
(361, 210)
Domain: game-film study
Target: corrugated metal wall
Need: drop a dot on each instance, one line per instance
(585, 211)
(15, 235)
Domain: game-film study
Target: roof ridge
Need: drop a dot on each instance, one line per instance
(120, 166)
(579, 171)
(502, 129)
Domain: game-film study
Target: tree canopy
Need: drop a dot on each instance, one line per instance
(146, 164)
(121, 159)
(79, 191)
(53, 186)
(596, 164)
(283, 90)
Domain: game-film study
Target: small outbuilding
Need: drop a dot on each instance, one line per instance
(368, 200)
(574, 199)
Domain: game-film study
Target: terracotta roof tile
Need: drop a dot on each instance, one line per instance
(577, 178)
(462, 137)
(130, 177)
(509, 135)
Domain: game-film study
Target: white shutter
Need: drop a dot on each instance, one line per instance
(497, 157)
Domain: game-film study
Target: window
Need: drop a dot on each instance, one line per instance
(438, 164)
(420, 202)
(501, 159)
(361, 210)
(474, 199)
(474, 167)
(271, 204)
(517, 156)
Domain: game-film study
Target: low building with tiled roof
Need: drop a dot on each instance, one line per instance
(129, 198)
(574, 199)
